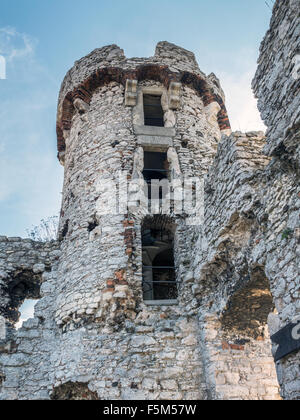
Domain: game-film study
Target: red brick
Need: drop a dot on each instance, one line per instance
(225, 345)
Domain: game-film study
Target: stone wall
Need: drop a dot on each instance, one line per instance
(246, 267)
(22, 264)
(92, 332)
(154, 351)
(277, 81)
(237, 367)
(27, 270)
(246, 261)
(277, 86)
(230, 284)
(93, 336)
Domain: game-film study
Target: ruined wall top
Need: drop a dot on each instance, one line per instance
(104, 65)
(277, 80)
(176, 58)
(22, 263)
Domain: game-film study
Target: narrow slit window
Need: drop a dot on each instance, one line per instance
(153, 112)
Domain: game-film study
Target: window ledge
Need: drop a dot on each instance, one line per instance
(170, 302)
(148, 130)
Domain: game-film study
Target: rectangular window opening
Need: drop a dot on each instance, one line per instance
(153, 112)
(155, 168)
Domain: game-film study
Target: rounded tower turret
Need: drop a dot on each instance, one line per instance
(123, 299)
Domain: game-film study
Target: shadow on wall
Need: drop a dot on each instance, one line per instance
(248, 309)
(73, 391)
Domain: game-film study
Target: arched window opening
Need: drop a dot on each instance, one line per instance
(153, 112)
(159, 280)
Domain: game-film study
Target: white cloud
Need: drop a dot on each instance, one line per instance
(15, 45)
(19, 52)
(240, 102)
(236, 78)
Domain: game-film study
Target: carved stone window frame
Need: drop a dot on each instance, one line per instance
(138, 110)
(153, 138)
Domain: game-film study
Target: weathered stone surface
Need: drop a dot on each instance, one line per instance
(276, 83)
(93, 336)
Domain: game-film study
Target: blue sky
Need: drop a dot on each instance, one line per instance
(40, 40)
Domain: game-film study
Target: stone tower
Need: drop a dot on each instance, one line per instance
(121, 297)
(176, 300)
(116, 318)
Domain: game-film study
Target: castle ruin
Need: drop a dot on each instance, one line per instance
(164, 305)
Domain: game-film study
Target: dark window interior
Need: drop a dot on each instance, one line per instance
(159, 282)
(155, 167)
(153, 112)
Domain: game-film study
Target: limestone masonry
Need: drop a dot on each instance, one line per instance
(133, 305)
